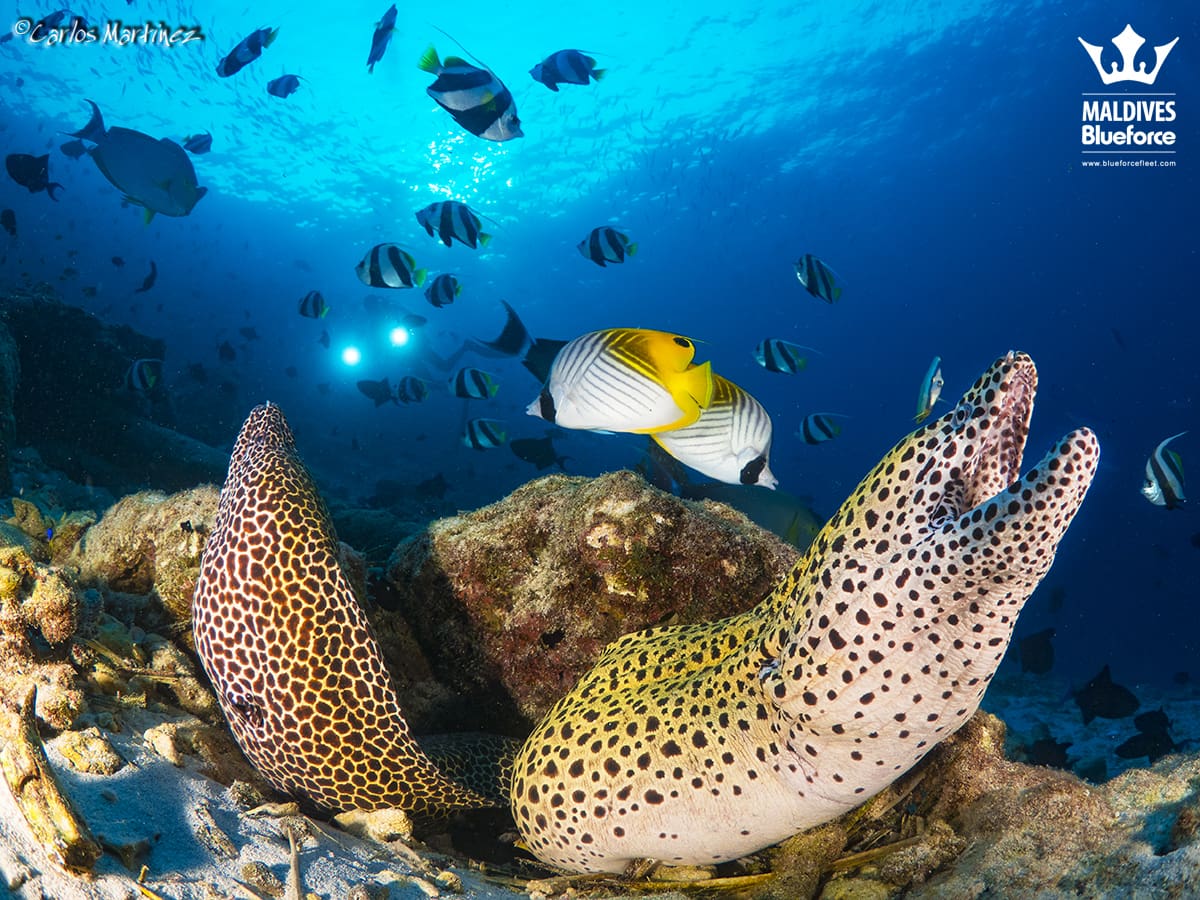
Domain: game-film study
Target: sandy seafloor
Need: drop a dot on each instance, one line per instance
(150, 799)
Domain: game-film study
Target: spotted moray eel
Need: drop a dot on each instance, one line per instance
(690, 744)
(296, 667)
(702, 743)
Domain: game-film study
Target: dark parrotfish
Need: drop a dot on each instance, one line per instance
(1152, 740)
(378, 392)
(538, 452)
(384, 29)
(1048, 752)
(247, 51)
(433, 488)
(1102, 698)
(1037, 652)
(153, 173)
(32, 172)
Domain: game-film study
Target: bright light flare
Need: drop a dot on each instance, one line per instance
(351, 356)
(398, 336)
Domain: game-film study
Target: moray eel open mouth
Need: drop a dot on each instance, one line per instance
(992, 422)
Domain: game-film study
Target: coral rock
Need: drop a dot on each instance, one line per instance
(150, 543)
(513, 602)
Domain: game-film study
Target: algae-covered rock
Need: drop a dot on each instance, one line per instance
(150, 543)
(513, 602)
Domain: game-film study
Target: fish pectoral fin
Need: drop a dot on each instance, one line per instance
(696, 383)
(148, 217)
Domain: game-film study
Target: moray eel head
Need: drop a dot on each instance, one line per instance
(911, 592)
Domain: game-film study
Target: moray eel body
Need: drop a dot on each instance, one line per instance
(699, 744)
(295, 665)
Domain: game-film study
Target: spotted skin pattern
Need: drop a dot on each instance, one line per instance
(296, 667)
(701, 743)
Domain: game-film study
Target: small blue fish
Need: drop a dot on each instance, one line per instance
(484, 434)
(818, 428)
(1164, 476)
(473, 384)
(384, 29)
(443, 290)
(818, 279)
(931, 390)
(566, 67)
(198, 143)
(776, 355)
(247, 51)
(283, 86)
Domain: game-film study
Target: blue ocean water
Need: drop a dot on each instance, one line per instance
(929, 152)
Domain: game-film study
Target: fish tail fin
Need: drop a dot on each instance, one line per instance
(419, 276)
(270, 38)
(94, 130)
(484, 238)
(148, 217)
(51, 188)
(631, 249)
(429, 61)
(598, 73)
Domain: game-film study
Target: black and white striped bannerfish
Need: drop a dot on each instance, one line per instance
(143, 375)
(625, 380)
(452, 220)
(776, 355)
(442, 291)
(473, 384)
(474, 97)
(411, 389)
(484, 434)
(818, 279)
(313, 305)
(605, 245)
(389, 266)
(731, 441)
(818, 428)
(1164, 476)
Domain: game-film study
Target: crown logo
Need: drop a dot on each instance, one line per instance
(1128, 42)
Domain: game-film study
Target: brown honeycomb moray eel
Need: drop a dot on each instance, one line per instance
(687, 744)
(295, 664)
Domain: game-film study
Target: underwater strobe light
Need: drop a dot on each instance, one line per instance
(398, 336)
(351, 356)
